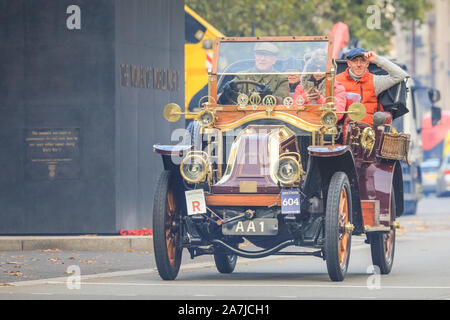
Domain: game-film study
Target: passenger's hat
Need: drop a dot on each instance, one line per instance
(355, 52)
(266, 47)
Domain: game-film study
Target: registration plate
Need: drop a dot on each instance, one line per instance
(254, 227)
(195, 201)
(290, 201)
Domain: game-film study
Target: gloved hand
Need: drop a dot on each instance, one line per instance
(229, 94)
(265, 91)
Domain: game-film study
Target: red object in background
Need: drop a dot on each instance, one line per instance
(136, 232)
(433, 135)
(341, 38)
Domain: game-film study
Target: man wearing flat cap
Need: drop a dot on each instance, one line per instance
(357, 79)
(266, 54)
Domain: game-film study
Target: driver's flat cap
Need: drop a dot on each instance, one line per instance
(266, 47)
(355, 52)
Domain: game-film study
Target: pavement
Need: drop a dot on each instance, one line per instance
(79, 243)
(31, 258)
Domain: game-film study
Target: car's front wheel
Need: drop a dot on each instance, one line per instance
(166, 231)
(338, 218)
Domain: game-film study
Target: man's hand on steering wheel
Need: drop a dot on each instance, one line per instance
(265, 91)
(230, 93)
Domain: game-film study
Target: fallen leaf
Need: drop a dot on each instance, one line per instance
(11, 262)
(89, 261)
(6, 284)
(53, 259)
(52, 250)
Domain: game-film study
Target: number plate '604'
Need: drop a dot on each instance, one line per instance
(254, 227)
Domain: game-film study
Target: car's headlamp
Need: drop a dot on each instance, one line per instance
(288, 171)
(206, 118)
(194, 168)
(328, 119)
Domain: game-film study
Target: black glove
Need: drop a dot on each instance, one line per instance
(229, 94)
(265, 91)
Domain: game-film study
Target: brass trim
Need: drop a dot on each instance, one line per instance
(248, 187)
(286, 117)
(242, 100)
(349, 227)
(368, 140)
(211, 101)
(374, 229)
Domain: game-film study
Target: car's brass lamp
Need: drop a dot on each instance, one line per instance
(288, 169)
(194, 167)
(328, 119)
(206, 118)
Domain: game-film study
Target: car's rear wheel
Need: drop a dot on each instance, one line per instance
(382, 245)
(166, 231)
(225, 263)
(337, 220)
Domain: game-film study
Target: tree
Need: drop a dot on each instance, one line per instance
(313, 17)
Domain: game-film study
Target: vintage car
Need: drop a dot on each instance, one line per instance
(258, 172)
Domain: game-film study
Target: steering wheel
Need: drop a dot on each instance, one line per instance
(261, 85)
(255, 83)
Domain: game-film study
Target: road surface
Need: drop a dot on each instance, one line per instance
(421, 271)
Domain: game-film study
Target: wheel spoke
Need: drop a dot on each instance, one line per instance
(171, 237)
(343, 206)
(343, 235)
(170, 202)
(388, 242)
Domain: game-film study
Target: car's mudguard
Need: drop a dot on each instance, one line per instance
(323, 163)
(377, 180)
(172, 154)
(328, 151)
(373, 183)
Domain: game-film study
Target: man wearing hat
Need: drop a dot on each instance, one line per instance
(357, 79)
(266, 54)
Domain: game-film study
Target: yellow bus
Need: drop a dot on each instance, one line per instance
(198, 55)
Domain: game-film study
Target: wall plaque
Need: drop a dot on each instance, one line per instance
(52, 153)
